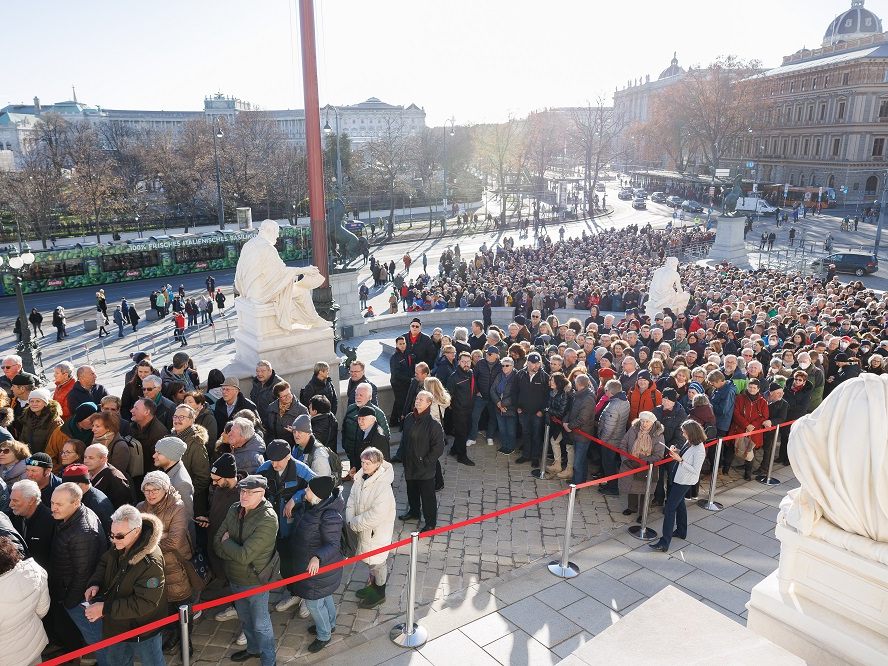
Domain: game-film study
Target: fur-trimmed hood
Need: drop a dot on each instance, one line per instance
(149, 539)
(656, 430)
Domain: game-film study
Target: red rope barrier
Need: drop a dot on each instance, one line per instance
(206, 605)
(623, 453)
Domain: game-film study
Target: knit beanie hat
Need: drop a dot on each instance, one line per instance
(225, 466)
(157, 479)
(171, 447)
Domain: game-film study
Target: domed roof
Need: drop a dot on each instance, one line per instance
(673, 68)
(855, 23)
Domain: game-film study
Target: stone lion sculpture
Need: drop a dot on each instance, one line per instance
(839, 454)
(665, 290)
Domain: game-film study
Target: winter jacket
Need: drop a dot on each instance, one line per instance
(189, 378)
(114, 484)
(36, 428)
(325, 388)
(643, 402)
(722, 401)
(420, 349)
(502, 393)
(148, 437)
(98, 501)
(181, 481)
(377, 439)
(132, 583)
(276, 424)
(582, 412)
(370, 511)
(78, 395)
(39, 531)
(220, 410)
(262, 395)
(119, 451)
(400, 372)
(485, 375)
(76, 548)
(249, 456)
(251, 541)
(325, 429)
(614, 419)
(817, 379)
(207, 420)
(704, 415)
(317, 532)
(531, 395)
(636, 484)
(175, 543)
(798, 401)
(749, 410)
(461, 387)
(422, 443)
(60, 395)
(197, 462)
(351, 434)
(24, 600)
(221, 500)
(284, 486)
(672, 421)
(559, 404)
(443, 369)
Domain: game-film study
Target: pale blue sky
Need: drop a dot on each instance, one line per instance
(475, 60)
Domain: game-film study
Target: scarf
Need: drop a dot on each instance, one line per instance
(643, 444)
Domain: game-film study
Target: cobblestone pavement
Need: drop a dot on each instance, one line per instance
(492, 553)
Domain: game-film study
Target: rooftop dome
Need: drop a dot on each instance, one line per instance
(855, 23)
(673, 68)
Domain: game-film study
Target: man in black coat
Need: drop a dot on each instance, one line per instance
(461, 387)
(419, 346)
(422, 443)
(231, 403)
(778, 409)
(105, 477)
(356, 376)
(33, 520)
(400, 374)
(531, 399)
(477, 338)
(671, 415)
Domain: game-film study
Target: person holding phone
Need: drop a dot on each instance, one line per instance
(686, 473)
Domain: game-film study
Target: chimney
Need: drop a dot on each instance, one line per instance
(37, 104)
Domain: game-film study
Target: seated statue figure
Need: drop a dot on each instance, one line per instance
(665, 290)
(262, 277)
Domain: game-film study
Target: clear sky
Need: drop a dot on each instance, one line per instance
(475, 60)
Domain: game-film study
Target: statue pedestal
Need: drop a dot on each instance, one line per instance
(291, 354)
(345, 285)
(825, 604)
(729, 243)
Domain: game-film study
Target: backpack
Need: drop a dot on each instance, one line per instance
(136, 467)
(335, 463)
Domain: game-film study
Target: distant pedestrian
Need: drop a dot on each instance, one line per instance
(36, 320)
(124, 307)
(211, 284)
(133, 316)
(59, 320)
(771, 238)
(119, 320)
(102, 303)
(220, 299)
(792, 235)
(425, 262)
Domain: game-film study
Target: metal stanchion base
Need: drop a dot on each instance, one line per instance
(417, 638)
(768, 481)
(645, 535)
(570, 571)
(709, 506)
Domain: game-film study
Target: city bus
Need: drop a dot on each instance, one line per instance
(790, 196)
(91, 264)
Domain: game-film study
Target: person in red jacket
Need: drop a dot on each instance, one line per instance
(63, 375)
(750, 413)
(644, 396)
(179, 323)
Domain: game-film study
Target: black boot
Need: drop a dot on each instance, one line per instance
(747, 471)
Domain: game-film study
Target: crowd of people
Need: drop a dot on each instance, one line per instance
(117, 509)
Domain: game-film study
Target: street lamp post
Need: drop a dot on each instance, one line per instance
(17, 264)
(220, 211)
(328, 131)
(451, 121)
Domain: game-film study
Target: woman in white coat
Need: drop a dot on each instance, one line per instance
(24, 599)
(370, 514)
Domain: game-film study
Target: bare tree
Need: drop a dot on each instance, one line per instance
(95, 188)
(667, 132)
(426, 158)
(595, 131)
(544, 140)
(34, 192)
(129, 148)
(389, 155)
(245, 153)
(501, 154)
(289, 184)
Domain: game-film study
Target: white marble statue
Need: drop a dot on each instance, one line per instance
(839, 454)
(665, 290)
(262, 277)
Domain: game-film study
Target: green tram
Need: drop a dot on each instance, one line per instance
(91, 264)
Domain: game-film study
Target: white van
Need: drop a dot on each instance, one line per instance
(754, 205)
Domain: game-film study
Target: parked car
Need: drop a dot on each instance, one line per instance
(692, 206)
(658, 197)
(640, 192)
(859, 263)
(673, 201)
(639, 204)
(625, 195)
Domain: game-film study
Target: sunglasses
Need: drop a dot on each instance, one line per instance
(121, 537)
(4, 451)
(414, 326)
(8, 367)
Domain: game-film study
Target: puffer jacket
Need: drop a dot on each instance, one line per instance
(188, 377)
(197, 462)
(175, 544)
(370, 511)
(132, 583)
(672, 421)
(262, 394)
(317, 532)
(636, 483)
(277, 424)
(722, 401)
(645, 401)
(325, 429)
(316, 387)
(422, 443)
(559, 404)
(613, 420)
(485, 374)
(251, 542)
(24, 599)
(36, 429)
(78, 545)
(749, 411)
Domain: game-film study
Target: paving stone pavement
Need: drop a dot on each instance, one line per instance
(485, 594)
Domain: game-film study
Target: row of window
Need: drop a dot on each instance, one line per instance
(808, 113)
(802, 84)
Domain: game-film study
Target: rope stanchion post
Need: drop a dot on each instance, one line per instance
(766, 478)
(710, 504)
(184, 620)
(642, 531)
(544, 458)
(565, 568)
(410, 634)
